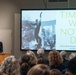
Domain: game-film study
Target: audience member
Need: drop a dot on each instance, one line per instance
(72, 55)
(24, 64)
(10, 66)
(39, 69)
(33, 58)
(41, 59)
(29, 64)
(63, 55)
(55, 72)
(71, 67)
(27, 61)
(56, 61)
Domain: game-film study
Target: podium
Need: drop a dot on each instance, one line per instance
(3, 56)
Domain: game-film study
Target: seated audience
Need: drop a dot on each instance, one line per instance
(55, 72)
(10, 66)
(39, 69)
(63, 55)
(71, 70)
(56, 61)
(24, 64)
(33, 58)
(72, 55)
(41, 59)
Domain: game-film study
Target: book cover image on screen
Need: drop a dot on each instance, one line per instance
(48, 29)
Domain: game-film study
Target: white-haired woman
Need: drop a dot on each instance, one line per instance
(10, 66)
(72, 55)
(41, 59)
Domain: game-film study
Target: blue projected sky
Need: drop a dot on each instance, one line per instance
(33, 15)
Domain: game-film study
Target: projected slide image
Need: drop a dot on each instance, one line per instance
(38, 33)
(48, 29)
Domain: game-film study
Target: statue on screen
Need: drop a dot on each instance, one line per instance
(37, 29)
(1, 46)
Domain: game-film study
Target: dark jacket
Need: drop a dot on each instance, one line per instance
(61, 67)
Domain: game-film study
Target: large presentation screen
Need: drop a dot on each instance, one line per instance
(48, 29)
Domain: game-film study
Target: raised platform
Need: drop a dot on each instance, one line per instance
(3, 56)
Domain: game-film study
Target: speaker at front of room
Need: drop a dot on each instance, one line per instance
(1, 47)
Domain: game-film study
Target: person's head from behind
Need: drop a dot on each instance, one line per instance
(33, 58)
(39, 69)
(54, 58)
(40, 52)
(10, 66)
(40, 60)
(72, 55)
(63, 54)
(55, 72)
(71, 67)
(25, 58)
(24, 64)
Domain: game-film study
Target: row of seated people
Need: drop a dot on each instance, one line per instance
(30, 64)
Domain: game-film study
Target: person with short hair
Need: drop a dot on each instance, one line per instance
(24, 64)
(55, 72)
(39, 69)
(40, 57)
(72, 55)
(40, 52)
(63, 55)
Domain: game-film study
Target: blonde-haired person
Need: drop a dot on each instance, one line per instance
(39, 69)
(10, 66)
(56, 61)
(33, 58)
